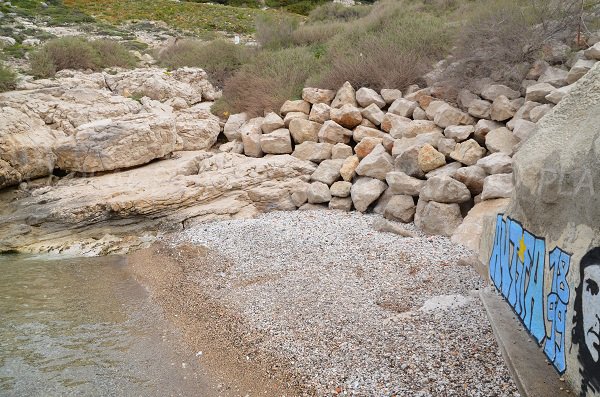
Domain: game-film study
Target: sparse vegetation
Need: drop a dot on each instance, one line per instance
(78, 53)
(338, 12)
(8, 79)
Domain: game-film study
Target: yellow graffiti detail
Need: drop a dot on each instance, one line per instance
(522, 249)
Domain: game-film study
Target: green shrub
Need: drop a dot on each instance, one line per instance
(264, 84)
(273, 32)
(219, 58)
(8, 79)
(338, 12)
(78, 53)
(317, 33)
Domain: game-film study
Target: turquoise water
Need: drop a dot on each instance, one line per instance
(85, 327)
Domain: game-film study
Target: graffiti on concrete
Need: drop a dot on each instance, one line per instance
(586, 321)
(517, 269)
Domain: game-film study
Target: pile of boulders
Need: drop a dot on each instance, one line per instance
(409, 156)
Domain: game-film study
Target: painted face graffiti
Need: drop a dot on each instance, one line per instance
(591, 309)
(586, 322)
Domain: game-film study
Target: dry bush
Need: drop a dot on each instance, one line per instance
(219, 58)
(8, 79)
(317, 33)
(264, 84)
(273, 32)
(78, 53)
(338, 12)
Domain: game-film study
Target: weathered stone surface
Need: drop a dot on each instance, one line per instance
(403, 184)
(344, 96)
(466, 98)
(297, 106)
(497, 186)
(446, 170)
(332, 132)
(313, 151)
(483, 127)
(459, 132)
(496, 163)
(328, 171)
(429, 158)
(348, 170)
(341, 189)
(341, 151)
(318, 193)
(304, 130)
(361, 133)
(232, 147)
(540, 111)
(272, 122)
(408, 162)
(250, 134)
(317, 95)
(385, 226)
(319, 113)
(391, 120)
(537, 69)
(419, 114)
(403, 107)
(276, 142)
(366, 145)
(377, 164)
(480, 109)
(470, 231)
(468, 152)
(347, 116)
(233, 125)
(593, 52)
(373, 114)
(538, 92)
(493, 91)
(472, 177)
(555, 76)
(196, 131)
(293, 115)
(366, 96)
(125, 142)
(445, 189)
(437, 218)
(340, 203)
(502, 109)
(447, 115)
(557, 95)
(390, 95)
(365, 191)
(446, 146)
(523, 129)
(299, 195)
(431, 138)
(501, 140)
(414, 128)
(367, 123)
(400, 208)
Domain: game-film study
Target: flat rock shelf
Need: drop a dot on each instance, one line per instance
(352, 311)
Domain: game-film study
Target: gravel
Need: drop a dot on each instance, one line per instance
(354, 311)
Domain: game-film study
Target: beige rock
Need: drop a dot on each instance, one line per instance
(496, 163)
(391, 121)
(293, 115)
(250, 134)
(347, 116)
(447, 115)
(497, 186)
(385, 226)
(437, 218)
(328, 171)
(493, 91)
(403, 184)
(557, 95)
(501, 140)
(196, 131)
(299, 194)
(297, 106)
(446, 170)
(400, 145)
(483, 127)
(555, 76)
(502, 109)
(313, 151)
(332, 132)
(459, 132)
(408, 162)
(366, 145)
(540, 111)
(367, 123)
(341, 151)
(340, 203)
(276, 142)
(366, 96)
(232, 147)
(373, 114)
(346, 95)
(538, 92)
(319, 113)
(400, 208)
(233, 125)
(272, 122)
(468, 152)
(318, 95)
(429, 158)
(377, 164)
(444, 189)
(348, 170)
(524, 129)
(472, 177)
(304, 130)
(361, 133)
(414, 128)
(365, 191)
(446, 146)
(403, 107)
(419, 114)
(466, 98)
(593, 52)
(341, 189)
(480, 109)
(390, 95)
(469, 232)
(318, 193)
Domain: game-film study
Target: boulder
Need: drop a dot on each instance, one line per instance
(250, 134)
(318, 95)
(523, 129)
(446, 170)
(431, 138)
(466, 98)
(403, 107)
(299, 195)
(304, 130)
(341, 151)
(593, 52)
(557, 95)
(272, 122)
(233, 125)
(293, 115)
(373, 114)
(468, 152)
(328, 171)
(297, 106)
(480, 109)
(366, 96)
(313, 151)
(493, 91)
(366, 145)
(400, 208)
(403, 184)
(419, 114)
(444, 189)
(437, 218)
(501, 140)
(385, 226)
(470, 231)
(377, 164)
(497, 186)
(196, 131)
(340, 203)
(502, 109)
(110, 144)
(344, 96)
(414, 128)
(319, 113)
(332, 132)
(472, 177)
(348, 170)
(459, 132)
(391, 121)
(429, 158)
(276, 142)
(496, 163)
(341, 189)
(390, 95)
(540, 111)
(483, 127)
(347, 116)
(408, 162)
(446, 146)
(447, 115)
(318, 193)
(554, 76)
(538, 92)
(365, 191)
(362, 132)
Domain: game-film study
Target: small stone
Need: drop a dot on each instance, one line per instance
(497, 186)
(346, 95)
(459, 132)
(445, 189)
(318, 95)
(319, 113)
(429, 158)
(341, 189)
(341, 151)
(347, 116)
(340, 203)
(468, 152)
(332, 132)
(496, 163)
(313, 151)
(501, 140)
(403, 107)
(304, 130)
(403, 184)
(328, 171)
(348, 170)
(366, 96)
(377, 164)
(373, 114)
(400, 208)
(366, 191)
(300, 106)
(390, 95)
(318, 193)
